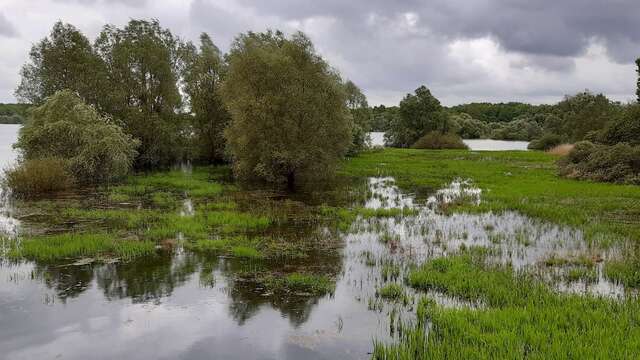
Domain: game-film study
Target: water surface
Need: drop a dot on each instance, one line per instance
(495, 145)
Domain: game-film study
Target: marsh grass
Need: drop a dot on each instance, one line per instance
(75, 245)
(391, 291)
(522, 317)
(301, 284)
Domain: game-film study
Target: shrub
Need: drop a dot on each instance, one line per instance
(618, 163)
(546, 142)
(438, 140)
(94, 148)
(561, 150)
(38, 176)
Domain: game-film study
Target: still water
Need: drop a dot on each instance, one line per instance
(495, 145)
(8, 136)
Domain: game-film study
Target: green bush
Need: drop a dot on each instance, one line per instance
(546, 142)
(94, 148)
(38, 176)
(618, 163)
(438, 140)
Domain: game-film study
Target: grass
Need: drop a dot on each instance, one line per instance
(76, 245)
(196, 184)
(391, 291)
(301, 283)
(345, 217)
(521, 318)
(514, 180)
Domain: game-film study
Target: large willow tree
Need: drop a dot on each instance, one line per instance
(288, 108)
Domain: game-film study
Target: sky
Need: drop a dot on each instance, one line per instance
(463, 50)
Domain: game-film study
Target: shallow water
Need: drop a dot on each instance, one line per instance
(495, 145)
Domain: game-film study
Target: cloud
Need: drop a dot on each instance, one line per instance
(6, 28)
(485, 50)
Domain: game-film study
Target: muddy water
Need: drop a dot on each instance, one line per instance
(182, 305)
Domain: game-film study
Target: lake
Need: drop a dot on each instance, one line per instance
(377, 139)
(495, 145)
(8, 136)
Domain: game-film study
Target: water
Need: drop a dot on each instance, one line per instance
(8, 135)
(495, 145)
(377, 138)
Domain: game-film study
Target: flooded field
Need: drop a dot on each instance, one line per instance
(177, 303)
(186, 264)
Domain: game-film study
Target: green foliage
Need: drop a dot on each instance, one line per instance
(522, 129)
(467, 127)
(94, 148)
(203, 74)
(13, 113)
(75, 245)
(624, 129)
(616, 163)
(438, 140)
(38, 176)
(546, 142)
(418, 114)
(638, 82)
(502, 112)
(63, 60)
(582, 114)
(391, 291)
(143, 63)
(360, 116)
(288, 107)
(382, 117)
(521, 318)
(310, 284)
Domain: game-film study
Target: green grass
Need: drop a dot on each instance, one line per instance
(76, 245)
(301, 283)
(521, 318)
(246, 252)
(391, 291)
(522, 181)
(196, 184)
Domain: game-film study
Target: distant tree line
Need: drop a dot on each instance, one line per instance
(13, 113)
(272, 106)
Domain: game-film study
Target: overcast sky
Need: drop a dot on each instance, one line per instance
(463, 50)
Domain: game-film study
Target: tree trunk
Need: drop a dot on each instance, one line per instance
(291, 180)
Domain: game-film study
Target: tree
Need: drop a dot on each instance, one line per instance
(361, 117)
(638, 82)
(467, 127)
(582, 114)
(418, 114)
(63, 60)
(202, 75)
(64, 127)
(288, 108)
(143, 63)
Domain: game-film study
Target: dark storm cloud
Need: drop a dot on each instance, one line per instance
(6, 28)
(542, 27)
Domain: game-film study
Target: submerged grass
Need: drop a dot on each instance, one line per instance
(301, 283)
(521, 318)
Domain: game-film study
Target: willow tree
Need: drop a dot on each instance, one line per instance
(64, 60)
(144, 64)
(203, 73)
(288, 109)
(361, 117)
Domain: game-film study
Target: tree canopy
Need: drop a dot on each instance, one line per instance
(418, 114)
(288, 108)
